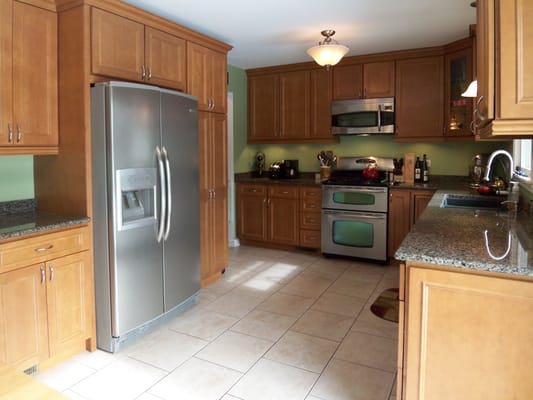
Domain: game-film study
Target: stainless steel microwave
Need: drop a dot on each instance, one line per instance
(363, 116)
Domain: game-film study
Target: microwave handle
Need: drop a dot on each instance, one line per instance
(379, 117)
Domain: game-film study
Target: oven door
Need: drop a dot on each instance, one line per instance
(355, 198)
(354, 234)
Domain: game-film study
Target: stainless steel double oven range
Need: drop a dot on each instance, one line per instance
(355, 208)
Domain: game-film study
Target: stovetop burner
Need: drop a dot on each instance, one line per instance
(349, 171)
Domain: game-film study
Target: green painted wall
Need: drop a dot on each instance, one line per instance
(446, 158)
(16, 178)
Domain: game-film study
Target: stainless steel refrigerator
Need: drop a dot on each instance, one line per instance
(145, 207)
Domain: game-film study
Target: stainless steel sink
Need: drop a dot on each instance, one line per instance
(472, 201)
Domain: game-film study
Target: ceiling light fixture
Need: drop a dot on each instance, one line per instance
(329, 52)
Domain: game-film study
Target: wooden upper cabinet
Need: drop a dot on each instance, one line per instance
(207, 77)
(457, 109)
(117, 46)
(28, 88)
(122, 48)
(320, 104)
(420, 98)
(263, 107)
(348, 82)
(294, 102)
(358, 81)
(165, 56)
(504, 65)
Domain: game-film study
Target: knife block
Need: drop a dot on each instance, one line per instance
(409, 168)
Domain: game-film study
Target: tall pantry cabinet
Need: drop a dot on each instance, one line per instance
(207, 71)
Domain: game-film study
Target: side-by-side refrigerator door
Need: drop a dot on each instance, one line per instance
(136, 256)
(179, 127)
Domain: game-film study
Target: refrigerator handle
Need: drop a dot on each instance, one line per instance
(163, 185)
(169, 192)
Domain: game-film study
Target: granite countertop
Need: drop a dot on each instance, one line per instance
(19, 218)
(456, 237)
(305, 178)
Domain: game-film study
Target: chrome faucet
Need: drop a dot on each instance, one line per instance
(491, 159)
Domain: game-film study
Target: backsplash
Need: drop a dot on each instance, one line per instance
(16, 178)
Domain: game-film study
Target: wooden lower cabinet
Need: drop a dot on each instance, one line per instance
(405, 207)
(46, 309)
(268, 213)
(310, 216)
(465, 335)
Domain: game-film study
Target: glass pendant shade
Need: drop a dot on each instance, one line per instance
(327, 54)
(471, 90)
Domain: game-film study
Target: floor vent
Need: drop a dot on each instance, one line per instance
(32, 371)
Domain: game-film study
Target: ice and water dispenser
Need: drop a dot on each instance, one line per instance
(136, 197)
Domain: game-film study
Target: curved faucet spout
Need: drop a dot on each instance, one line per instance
(491, 159)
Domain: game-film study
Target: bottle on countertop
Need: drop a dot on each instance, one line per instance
(425, 170)
(418, 170)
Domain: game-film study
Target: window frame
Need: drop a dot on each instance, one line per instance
(517, 157)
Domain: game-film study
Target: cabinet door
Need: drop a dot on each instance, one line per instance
(419, 202)
(213, 193)
(420, 98)
(6, 70)
(399, 218)
(23, 318)
(294, 104)
(117, 46)
(283, 214)
(263, 108)
(457, 109)
(252, 212)
(67, 283)
(348, 82)
(165, 59)
(485, 61)
(320, 104)
(463, 328)
(515, 61)
(378, 79)
(35, 98)
(206, 77)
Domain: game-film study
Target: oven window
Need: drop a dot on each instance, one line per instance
(354, 198)
(353, 233)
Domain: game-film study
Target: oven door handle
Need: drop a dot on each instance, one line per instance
(338, 188)
(356, 214)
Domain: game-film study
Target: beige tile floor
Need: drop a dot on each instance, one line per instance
(278, 325)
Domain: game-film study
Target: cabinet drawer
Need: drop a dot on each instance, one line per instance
(310, 238)
(310, 220)
(311, 193)
(311, 205)
(253, 189)
(37, 249)
(283, 191)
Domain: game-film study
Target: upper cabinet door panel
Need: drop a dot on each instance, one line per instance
(35, 99)
(166, 62)
(294, 102)
(348, 82)
(263, 107)
(117, 46)
(6, 83)
(219, 80)
(378, 80)
(485, 61)
(516, 61)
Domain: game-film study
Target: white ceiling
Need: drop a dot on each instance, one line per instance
(275, 32)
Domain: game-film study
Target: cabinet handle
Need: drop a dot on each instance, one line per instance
(312, 220)
(264, 202)
(311, 206)
(284, 192)
(43, 276)
(360, 95)
(481, 116)
(39, 249)
(310, 194)
(19, 134)
(51, 268)
(364, 94)
(143, 72)
(214, 194)
(149, 73)
(9, 133)
(253, 190)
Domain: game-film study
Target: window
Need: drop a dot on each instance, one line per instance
(522, 157)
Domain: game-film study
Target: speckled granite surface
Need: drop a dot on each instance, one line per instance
(306, 178)
(19, 218)
(456, 237)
